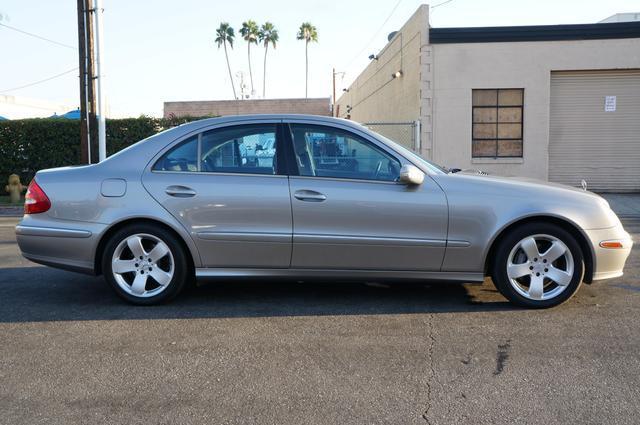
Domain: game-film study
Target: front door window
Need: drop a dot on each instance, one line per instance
(331, 152)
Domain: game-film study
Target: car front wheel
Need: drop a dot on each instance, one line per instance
(145, 264)
(538, 265)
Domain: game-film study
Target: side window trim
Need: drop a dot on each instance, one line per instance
(289, 151)
(199, 152)
(282, 163)
(356, 135)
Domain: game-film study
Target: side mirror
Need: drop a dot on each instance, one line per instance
(410, 174)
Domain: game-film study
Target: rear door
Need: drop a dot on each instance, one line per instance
(225, 186)
(350, 211)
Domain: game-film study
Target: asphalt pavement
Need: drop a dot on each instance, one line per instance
(313, 353)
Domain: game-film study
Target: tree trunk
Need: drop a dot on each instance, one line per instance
(250, 73)
(264, 71)
(306, 69)
(233, 86)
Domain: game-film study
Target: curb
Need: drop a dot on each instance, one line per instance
(11, 211)
(629, 217)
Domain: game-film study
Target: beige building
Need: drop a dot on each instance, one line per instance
(315, 106)
(559, 103)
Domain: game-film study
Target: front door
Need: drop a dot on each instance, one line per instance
(224, 186)
(350, 211)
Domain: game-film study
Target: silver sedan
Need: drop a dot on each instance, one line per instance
(293, 196)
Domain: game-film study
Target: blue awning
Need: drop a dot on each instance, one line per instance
(71, 115)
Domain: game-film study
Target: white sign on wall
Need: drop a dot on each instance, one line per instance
(610, 103)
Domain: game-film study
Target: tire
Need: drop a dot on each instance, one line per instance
(550, 278)
(159, 270)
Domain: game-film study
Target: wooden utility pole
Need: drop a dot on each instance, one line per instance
(82, 57)
(336, 109)
(88, 120)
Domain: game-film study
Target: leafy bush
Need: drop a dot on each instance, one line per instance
(29, 145)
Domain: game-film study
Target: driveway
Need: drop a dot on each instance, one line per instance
(313, 353)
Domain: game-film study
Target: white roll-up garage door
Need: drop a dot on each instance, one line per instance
(594, 129)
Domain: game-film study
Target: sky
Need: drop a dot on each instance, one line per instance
(164, 50)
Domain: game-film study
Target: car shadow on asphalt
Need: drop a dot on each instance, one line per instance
(35, 294)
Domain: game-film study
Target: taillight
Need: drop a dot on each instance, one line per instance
(35, 201)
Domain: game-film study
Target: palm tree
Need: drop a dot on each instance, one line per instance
(249, 32)
(224, 36)
(307, 32)
(268, 34)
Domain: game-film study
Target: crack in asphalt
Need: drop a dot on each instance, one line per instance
(502, 356)
(627, 287)
(432, 374)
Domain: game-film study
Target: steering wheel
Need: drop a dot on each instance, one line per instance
(377, 172)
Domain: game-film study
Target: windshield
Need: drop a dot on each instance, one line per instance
(413, 156)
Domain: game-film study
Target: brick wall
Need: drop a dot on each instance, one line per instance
(315, 106)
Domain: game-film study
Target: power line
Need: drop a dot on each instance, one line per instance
(431, 11)
(372, 93)
(375, 35)
(441, 4)
(41, 81)
(38, 37)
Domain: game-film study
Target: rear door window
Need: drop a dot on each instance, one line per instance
(248, 149)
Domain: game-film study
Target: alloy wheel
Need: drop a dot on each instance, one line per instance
(540, 267)
(143, 265)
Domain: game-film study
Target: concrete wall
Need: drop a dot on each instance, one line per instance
(314, 106)
(376, 96)
(459, 68)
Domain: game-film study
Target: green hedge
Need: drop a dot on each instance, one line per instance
(29, 145)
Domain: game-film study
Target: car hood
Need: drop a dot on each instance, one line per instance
(527, 197)
(526, 182)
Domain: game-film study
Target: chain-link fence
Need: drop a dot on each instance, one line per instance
(406, 134)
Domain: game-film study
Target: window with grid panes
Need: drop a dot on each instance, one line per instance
(497, 123)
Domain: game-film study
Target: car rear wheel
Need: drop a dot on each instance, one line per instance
(145, 264)
(538, 265)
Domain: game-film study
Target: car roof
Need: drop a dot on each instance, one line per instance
(248, 117)
(153, 144)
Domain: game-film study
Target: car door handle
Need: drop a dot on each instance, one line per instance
(309, 196)
(180, 191)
